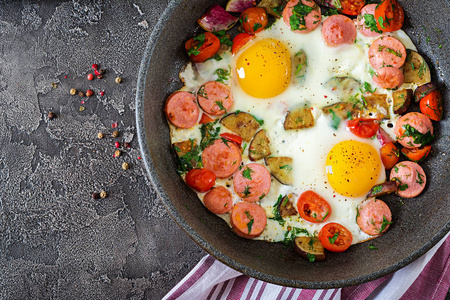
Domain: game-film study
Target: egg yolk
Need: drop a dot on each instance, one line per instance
(353, 168)
(264, 69)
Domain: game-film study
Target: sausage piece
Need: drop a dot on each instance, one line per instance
(248, 220)
(414, 130)
(389, 78)
(410, 178)
(361, 20)
(215, 98)
(387, 51)
(218, 200)
(308, 22)
(223, 159)
(373, 216)
(338, 30)
(252, 183)
(181, 109)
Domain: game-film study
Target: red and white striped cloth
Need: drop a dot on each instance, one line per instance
(426, 278)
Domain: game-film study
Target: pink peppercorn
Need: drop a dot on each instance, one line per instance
(89, 93)
(95, 66)
(102, 93)
(90, 77)
(117, 144)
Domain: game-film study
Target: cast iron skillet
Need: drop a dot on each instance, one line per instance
(418, 224)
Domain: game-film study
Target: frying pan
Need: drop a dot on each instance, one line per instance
(418, 224)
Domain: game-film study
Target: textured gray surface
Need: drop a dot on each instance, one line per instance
(56, 242)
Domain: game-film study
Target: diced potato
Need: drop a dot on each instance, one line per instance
(376, 106)
(299, 63)
(281, 168)
(273, 7)
(402, 100)
(241, 123)
(416, 69)
(299, 118)
(260, 146)
(182, 148)
(309, 248)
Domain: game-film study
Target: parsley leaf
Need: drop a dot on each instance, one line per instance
(371, 23)
(335, 120)
(333, 239)
(276, 211)
(384, 224)
(299, 12)
(419, 138)
(247, 173)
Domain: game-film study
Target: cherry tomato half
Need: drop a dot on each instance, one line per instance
(232, 137)
(254, 19)
(389, 155)
(335, 237)
(313, 208)
(389, 16)
(352, 7)
(417, 154)
(201, 180)
(205, 119)
(364, 128)
(202, 47)
(240, 41)
(431, 105)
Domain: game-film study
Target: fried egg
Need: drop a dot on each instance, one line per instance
(265, 81)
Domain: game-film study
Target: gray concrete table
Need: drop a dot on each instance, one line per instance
(57, 241)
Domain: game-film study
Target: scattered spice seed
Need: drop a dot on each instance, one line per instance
(94, 66)
(81, 94)
(118, 80)
(126, 145)
(102, 93)
(125, 166)
(65, 77)
(117, 153)
(82, 101)
(51, 115)
(139, 157)
(115, 134)
(73, 91)
(103, 194)
(81, 108)
(89, 93)
(90, 76)
(54, 85)
(100, 135)
(95, 195)
(117, 144)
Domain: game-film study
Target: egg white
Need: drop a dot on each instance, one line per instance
(308, 147)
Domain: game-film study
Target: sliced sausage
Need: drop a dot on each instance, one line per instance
(373, 216)
(215, 98)
(414, 130)
(181, 109)
(307, 22)
(388, 78)
(360, 21)
(218, 200)
(338, 30)
(410, 178)
(223, 159)
(248, 220)
(387, 51)
(252, 183)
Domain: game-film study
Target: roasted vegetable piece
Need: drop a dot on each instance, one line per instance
(417, 154)
(330, 3)
(416, 69)
(281, 168)
(286, 208)
(238, 6)
(217, 19)
(241, 123)
(402, 100)
(376, 106)
(299, 63)
(424, 90)
(343, 87)
(309, 248)
(260, 146)
(383, 189)
(431, 105)
(182, 148)
(343, 110)
(273, 7)
(299, 118)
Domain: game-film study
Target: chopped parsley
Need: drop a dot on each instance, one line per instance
(220, 105)
(194, 50)
(286, 167)
(276, 211)
(223, 74)
(290, 235)
(372, 247)
(256, 26)
(202, 92)
(224, 39)
(246, 192)
(335, 120)
(333, 239)
(247, 173)
(371, 23)
(419, 138)
(420, 179)
(250, 223)
(299, 12)
(377, 189)
(368, 88)
(403, 187)
(311, 257)
(384, 224)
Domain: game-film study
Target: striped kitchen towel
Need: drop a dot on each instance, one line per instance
(426, 278)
